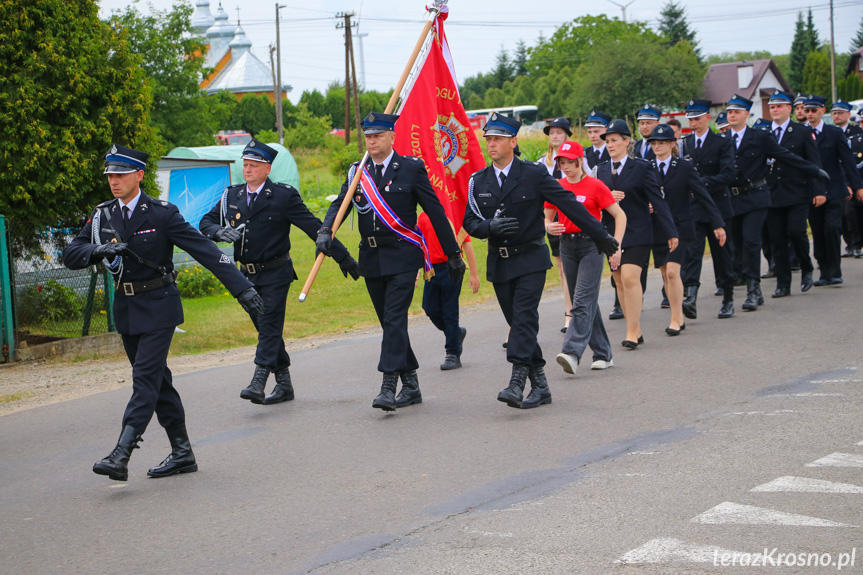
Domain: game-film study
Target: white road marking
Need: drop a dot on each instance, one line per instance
(736, 513)
(838, 460)
(813, 394)
(673, 550)
(777, 412)
(491, 533)
(806, 485)
(643, 452)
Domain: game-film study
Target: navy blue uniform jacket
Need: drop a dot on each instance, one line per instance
(788, 184)
(637, 179)
(838, 161)
(636, 149)
(592, 159)
(267, 234)
(716, 166)
(152, 231)
(405, 184)
(682, 189)
(523, 195)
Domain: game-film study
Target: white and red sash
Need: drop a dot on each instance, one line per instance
(392, 221)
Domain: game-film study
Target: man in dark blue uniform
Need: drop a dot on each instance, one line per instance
(791, 194)
(852, 220)
(505, 206)
(648, 118)
(596, 125)
(257, 217)
(826, 219)
(134, 236)
(713, 158)
(750, 194)
(390, 249)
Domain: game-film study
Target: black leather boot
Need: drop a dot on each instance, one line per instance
(539, 392)
(727, 309)
(410, 392)
(451, 361)
(115, 466)
(181, 458)
(386, 399)
(759, 297)
(255, 391)
(283, 391)
(751, 303)
(691, 296)
(513, 394)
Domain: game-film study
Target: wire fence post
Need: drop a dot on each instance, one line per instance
(109, 298)
(7, 318)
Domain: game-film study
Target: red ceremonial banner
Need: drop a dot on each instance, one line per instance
(433, 126)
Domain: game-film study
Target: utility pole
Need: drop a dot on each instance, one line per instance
(347, 26)
(362, 35)
(623, 7)
(280, 121)
(356, 92)
(832, 57)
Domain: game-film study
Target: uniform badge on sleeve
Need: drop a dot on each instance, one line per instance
(224, 259)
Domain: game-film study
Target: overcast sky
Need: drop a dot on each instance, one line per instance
(313, 49)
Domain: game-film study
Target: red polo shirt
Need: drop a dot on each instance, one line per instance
(435, 249)
(592, 193)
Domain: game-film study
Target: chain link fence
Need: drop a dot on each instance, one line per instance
(50, 301)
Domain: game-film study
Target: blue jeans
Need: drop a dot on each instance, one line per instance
(582, 267)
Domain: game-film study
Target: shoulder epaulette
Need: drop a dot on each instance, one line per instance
(106, 204)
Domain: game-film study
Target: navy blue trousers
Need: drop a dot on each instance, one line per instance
(152, 388)
(391, 296)
(519, 302)
(440, 302)
(270, 352)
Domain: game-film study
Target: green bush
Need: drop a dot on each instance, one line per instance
(195, 281)
(52, 301)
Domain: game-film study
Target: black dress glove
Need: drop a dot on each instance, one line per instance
(324, 243)
(823, 177)
(251, 302)
(455, 266)
(607, 245)
(349, 265)
(109, 250)
(227, 234)
(503, 227)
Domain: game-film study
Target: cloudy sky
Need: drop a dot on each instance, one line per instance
(313, 49)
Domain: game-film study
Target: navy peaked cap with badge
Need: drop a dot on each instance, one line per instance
(738, 102)
(617, 127)
(258, 151)
(648, 112)
(662, 132)
(377, 123)
(123, 160)
(597, 120)
(500, 125)
(762, 123)
(562, 123)
(696, 108)
(780, 97)
(800, 99)
(841, 106)
(721, 120)
(813, 101)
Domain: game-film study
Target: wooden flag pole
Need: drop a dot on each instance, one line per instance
(343, 209)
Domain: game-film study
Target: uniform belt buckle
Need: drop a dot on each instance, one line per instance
(128, 288)
(373, 243)
(735, 191)
(250, 268)
(503, 252)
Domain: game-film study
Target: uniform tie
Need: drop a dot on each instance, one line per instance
(614, 167)
(778, 132)
(697, 143)
(379, 174)
(661, 173)
(736, 140)
(125, 213)
(251, 199)
(502, 180)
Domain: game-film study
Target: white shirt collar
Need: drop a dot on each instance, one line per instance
(740, 135)
(819, 127)
(251, 191)
(497, 170)
(622, 163)
(599, 150)
(132, 203)
(387, 160)
(784, 126)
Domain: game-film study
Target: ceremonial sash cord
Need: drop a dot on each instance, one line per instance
(392, 221)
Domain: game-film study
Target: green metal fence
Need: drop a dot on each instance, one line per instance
(42, 300)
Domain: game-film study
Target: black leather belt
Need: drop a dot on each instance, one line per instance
(268, 265)
(575, 235)
(752, 186)
(509, 251)
(376, 241)
(132, 288)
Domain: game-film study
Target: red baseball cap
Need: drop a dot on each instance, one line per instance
(571, 150)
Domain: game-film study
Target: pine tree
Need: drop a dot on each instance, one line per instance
(857, 40)
(503, 68)
(675, 28)
(800, 48)
(520, 60)
(812, 33)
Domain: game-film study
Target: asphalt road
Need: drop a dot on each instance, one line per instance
(740, 435)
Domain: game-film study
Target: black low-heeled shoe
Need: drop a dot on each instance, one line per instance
(672, 331)
(641, 339)
(629, 344)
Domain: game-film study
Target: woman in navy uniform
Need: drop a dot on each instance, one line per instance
(681, 186)
(750, 194)
(505, 205)
(388, 261)
(633, 184)
(134, 236)
(256, 217)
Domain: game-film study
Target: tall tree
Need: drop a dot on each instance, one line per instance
(811, 32)
(173, 61)
(857, 40)
(816, 74)
(519, 61)
(503, 68)
(801, 45)
(69, 87)
(675, 28)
